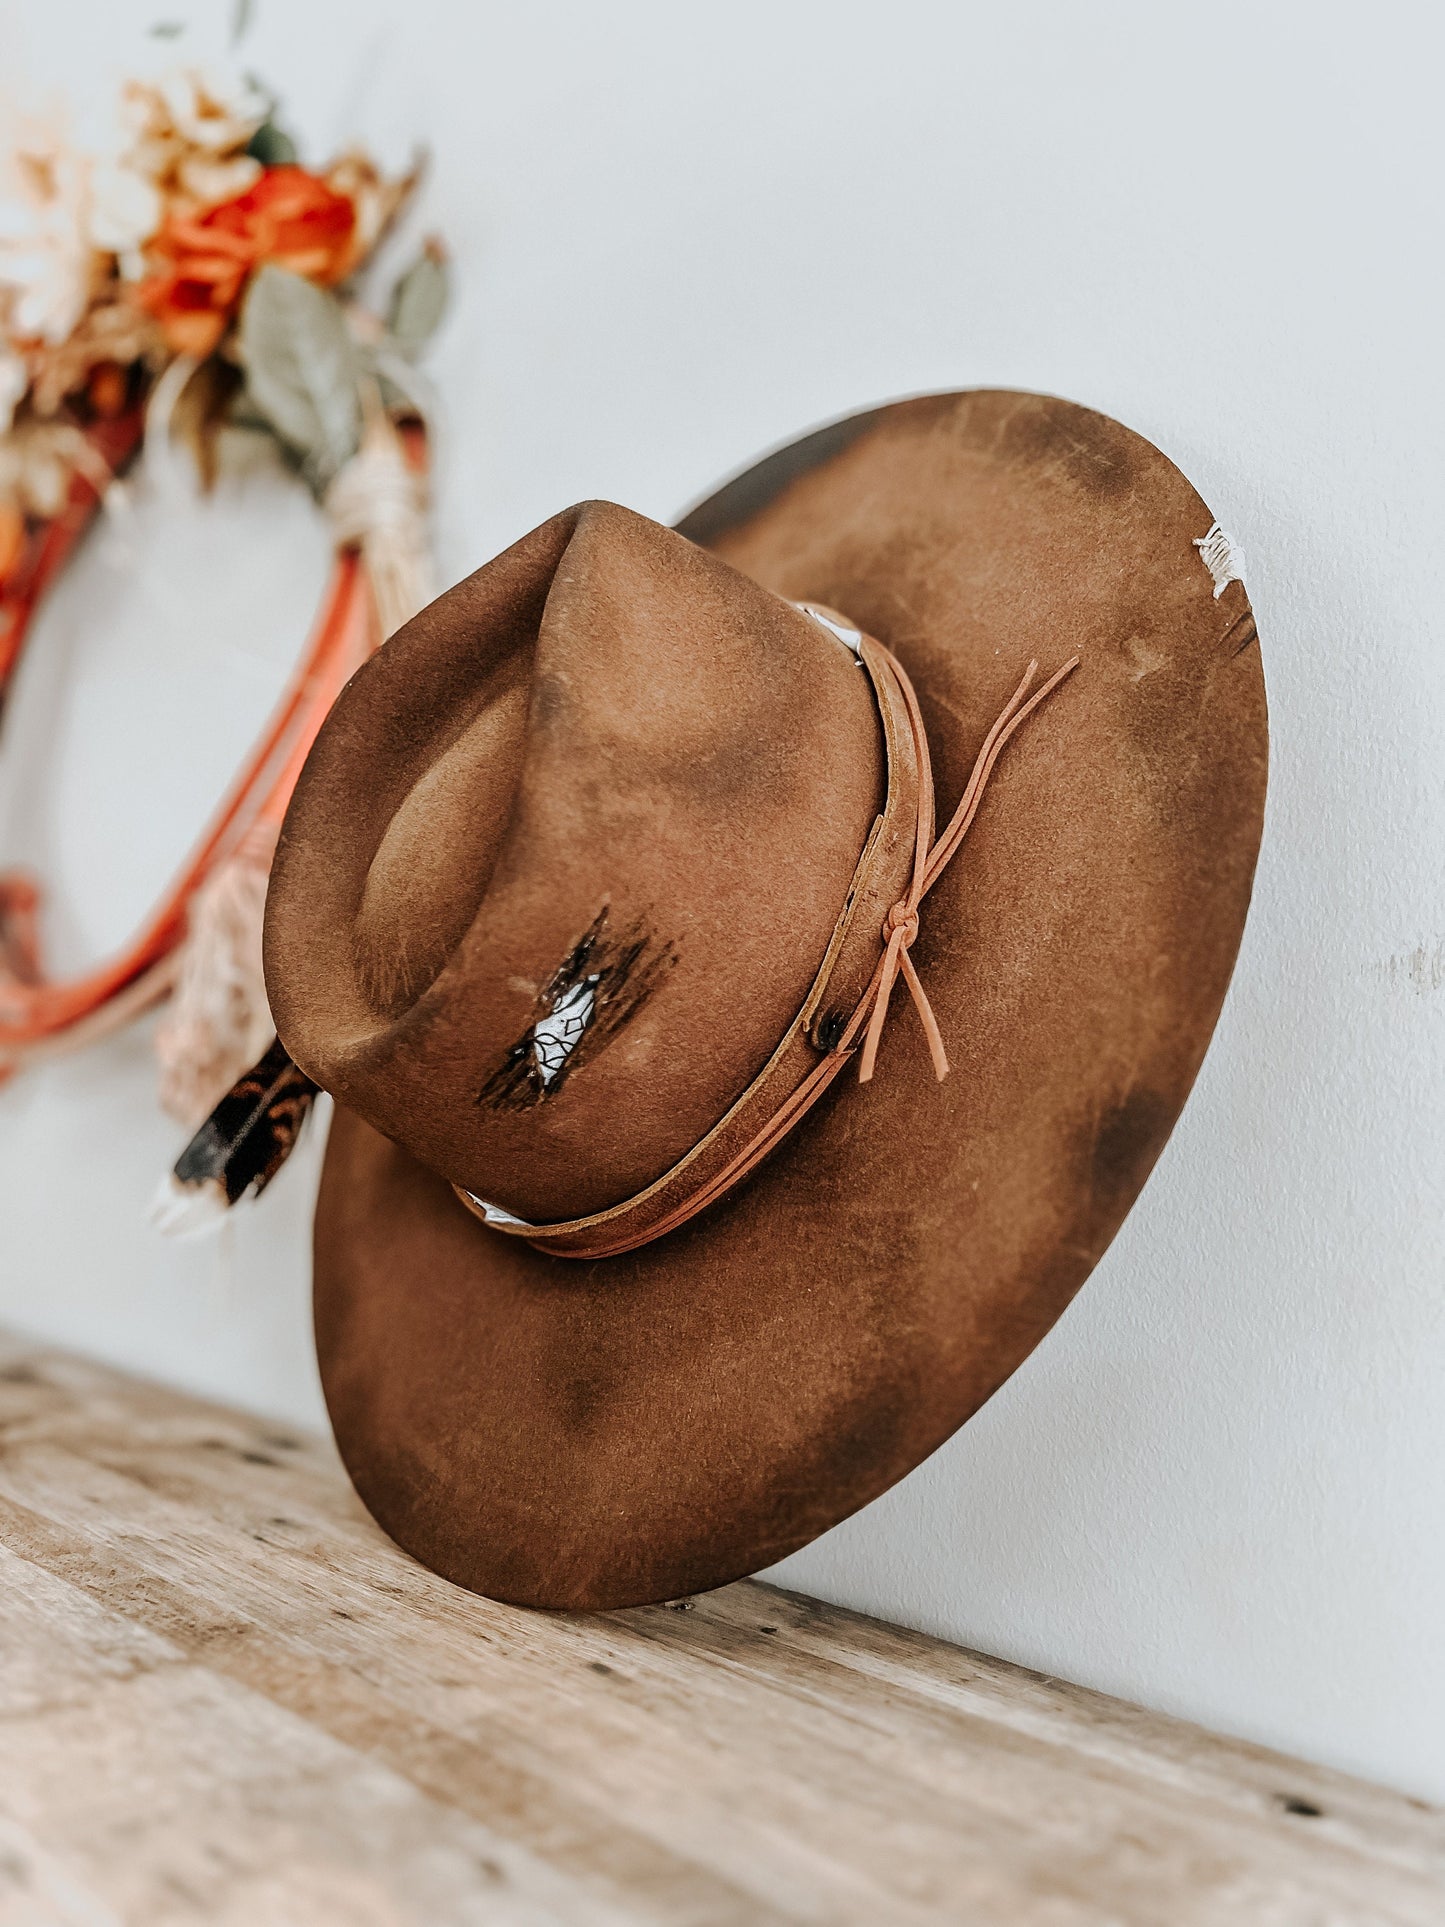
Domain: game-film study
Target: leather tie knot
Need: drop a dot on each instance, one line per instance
(900, 927)
(902, 918)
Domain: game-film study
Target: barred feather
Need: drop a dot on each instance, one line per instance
(241, 1146)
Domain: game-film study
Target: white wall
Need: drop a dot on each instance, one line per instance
(684, 233)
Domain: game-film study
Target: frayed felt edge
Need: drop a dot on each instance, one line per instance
(1222, 556)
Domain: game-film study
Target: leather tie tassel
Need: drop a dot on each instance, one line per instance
(930, 859)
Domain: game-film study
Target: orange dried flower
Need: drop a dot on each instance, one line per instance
(289, 217)
(107, 389)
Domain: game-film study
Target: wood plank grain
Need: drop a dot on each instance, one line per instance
(226, 1696)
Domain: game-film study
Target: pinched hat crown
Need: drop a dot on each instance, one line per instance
(566, 857)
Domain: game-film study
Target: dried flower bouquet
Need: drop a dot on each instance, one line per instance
(198, 277)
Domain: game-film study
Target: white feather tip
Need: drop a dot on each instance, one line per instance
(188, 1210)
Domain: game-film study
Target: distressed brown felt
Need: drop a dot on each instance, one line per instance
(616, 752)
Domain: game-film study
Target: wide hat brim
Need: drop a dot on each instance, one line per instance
(590, 1435)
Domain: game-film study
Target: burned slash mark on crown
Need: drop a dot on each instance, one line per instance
(600, 985)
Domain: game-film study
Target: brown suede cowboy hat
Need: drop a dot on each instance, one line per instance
(635, 900)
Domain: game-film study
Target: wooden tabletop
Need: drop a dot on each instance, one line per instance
(226, 1697)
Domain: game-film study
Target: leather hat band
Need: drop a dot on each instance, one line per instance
(900, 863)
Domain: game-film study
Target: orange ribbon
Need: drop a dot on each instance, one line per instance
(39, 1015)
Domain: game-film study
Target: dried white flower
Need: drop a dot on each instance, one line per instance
(191, 107)
(14, 380)
(47, 258)
(208, 180)
(125, 208)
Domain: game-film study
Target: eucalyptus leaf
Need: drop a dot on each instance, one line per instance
(395, 400)
(302, 370)
(418, 302)
(272, 146)
(245, 414)
(404, 390)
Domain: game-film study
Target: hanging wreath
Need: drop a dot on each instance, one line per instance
(196, 278)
